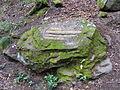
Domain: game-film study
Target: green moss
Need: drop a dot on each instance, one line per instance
(97, 48)
(41, 12)
(32, 43)
(39, 5)
(101, 3)
(102, 14)
(70, 71)
(34, 38)
(98, 45)
(57, 55)
(57, 3)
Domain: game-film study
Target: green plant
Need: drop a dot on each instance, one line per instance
(4, 42)
(22, 77)
(81, 77)
(6, 26)
(39, 4)
(51, 80)
(41, 12)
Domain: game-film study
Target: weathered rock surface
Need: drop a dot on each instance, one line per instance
(102, 68)
(75, 46)
(112, 5)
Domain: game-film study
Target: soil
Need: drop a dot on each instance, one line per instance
(109, 28)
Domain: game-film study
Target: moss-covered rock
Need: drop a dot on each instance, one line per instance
(4, 42)
(40, 7)
(103, 14)
(57, 3)
(101, 3)
(75, 46)
(112, 5)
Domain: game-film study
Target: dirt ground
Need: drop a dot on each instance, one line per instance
(109, 28)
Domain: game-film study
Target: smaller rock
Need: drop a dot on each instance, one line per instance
(102, 68)
(108, 39)
(4, 42)
(103, 14)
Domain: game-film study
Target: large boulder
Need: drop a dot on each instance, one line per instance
(112, 5)
(75, 46)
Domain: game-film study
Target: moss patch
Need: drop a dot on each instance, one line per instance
(57, 3)
(101, 3)
(40, 7)
(41, 12)
(102, 14)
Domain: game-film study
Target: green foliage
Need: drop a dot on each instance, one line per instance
(22, 77)
(41, 12)
(102, 14)
(81, 77)
(6, 26)
(4, 42)
(51, 80)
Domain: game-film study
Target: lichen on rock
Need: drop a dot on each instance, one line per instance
(74, 46)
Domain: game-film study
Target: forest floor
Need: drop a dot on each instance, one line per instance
(109, 28)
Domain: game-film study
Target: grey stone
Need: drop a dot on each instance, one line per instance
(108, 39)
(111, 5)
(102, 68)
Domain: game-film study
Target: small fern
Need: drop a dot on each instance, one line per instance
(23, 78)
(51, 81)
